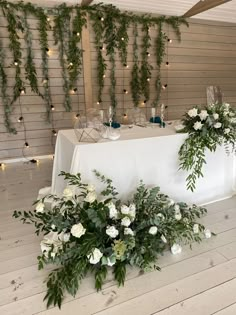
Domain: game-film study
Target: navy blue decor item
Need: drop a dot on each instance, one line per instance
(113, 124)
(157, 120)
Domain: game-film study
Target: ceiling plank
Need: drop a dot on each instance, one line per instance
(86, 2)
(202, 6)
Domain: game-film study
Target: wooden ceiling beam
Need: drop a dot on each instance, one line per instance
(86, 2)
(204, 5)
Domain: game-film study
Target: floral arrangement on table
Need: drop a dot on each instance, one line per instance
(207, 128)
(86, 233)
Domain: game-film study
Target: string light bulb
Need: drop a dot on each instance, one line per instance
(26, 145)
(148, 79)
(52, 107)
(164, 86)
(77, 116)
(22, 91)
(20, 119)
(45, 81)
(170, 40)
(125, 91)
(126, 66)
(74, 90)
(167, 63)
(148, 54)
(104, 76)
(54, 132)
(78, 34)
(16, 63)
(98, 102)
(102, 48)
(122, 38)
(48, 19)
(71, 64)
(125, 115)
(3, 166)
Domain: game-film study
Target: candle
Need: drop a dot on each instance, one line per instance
(153, 111)
(101, 115)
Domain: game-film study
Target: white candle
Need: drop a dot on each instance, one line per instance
(102, 115)
(153, 111)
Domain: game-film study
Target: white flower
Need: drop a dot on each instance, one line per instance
(196, 228)
(227, 105)
(231, 114)
(90, 187)
(113, 213)
(78, 230)
(164, 240)
(198, 125)
(124, 209)
(50, 240)
(161, 216)
(176, 249)
(128, 231)
(177, 209)
(171, 202)
(64, 237)
(126, 221)
(112, 231)
(215, 116)
(91, 197)
(207, 233)
(153, 230)
(203, 114)
(67, 193)
(132, 211)
(217, 125)
(192, 112)
(110, 262)
(40, 207)
(227, 131)
(178, 216)
(95, 257)
(53, 226)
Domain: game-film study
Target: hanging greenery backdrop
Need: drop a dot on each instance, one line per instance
(111, 29)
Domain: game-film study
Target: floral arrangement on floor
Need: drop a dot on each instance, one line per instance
(207, 128)
(84, 232)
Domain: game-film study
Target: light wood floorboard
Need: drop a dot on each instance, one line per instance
(201, 281)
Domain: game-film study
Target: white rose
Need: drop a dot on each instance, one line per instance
(171, 202)
(124, 209)
(177, 209)
(128, 231)
(195, 228)
(67, 193)
(90, 187)
(78, 230)
(215, 116)
(164, 240)
(178, 216)
(113, 213)
(217, 125)
(227, 105)
(227, 131)
(207, 233)
(95, 257)
(203, 114)
(153, 230)
(161, 216)
(198, 125)
(91, 197)
(231, 114)
(110, 263)
(112, 231)
(126, 221)
(40, 207)
(64, 237)
(192, 112)
(176, 249)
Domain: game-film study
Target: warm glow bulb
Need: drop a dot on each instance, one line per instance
(52, 107)
(104, 76)
(16, 63)
(122, 38)
(3, 166)
(148, 79)
(78, 34)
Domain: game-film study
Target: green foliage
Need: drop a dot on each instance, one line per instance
(135, 82)
(206, 136)
(79, 232)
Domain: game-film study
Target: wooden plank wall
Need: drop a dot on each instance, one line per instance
(205, 56)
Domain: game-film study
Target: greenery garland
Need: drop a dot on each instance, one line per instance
(98, 28)
(60, 32)
(160, 53)
(44, 26)
(135, 83)
(5, 98)
(146, 67)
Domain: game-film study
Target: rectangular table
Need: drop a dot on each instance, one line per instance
(148, 154)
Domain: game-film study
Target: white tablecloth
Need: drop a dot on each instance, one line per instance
(148, 154)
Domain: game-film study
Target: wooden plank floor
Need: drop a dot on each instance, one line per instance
(201, 281)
